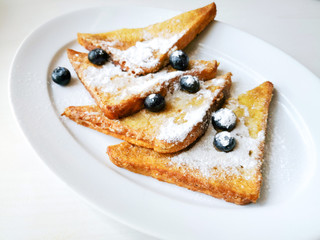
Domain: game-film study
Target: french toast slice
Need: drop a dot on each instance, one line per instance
(120, 94)
(234, 176)
(146, 50)
(184, 119)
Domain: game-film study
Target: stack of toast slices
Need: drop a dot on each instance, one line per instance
(174, 145)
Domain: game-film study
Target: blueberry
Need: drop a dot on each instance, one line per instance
(190, 83)
(223, 141)
(179, 60)
(98, 56)
(154, 102)
(224, 119)
(61, 76)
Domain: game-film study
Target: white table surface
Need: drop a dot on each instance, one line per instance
(34, 203)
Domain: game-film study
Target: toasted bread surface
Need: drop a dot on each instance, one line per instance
(146, 50)
(183, 120)
(120, 94)
(234, 176)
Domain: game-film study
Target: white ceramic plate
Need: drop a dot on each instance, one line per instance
(289, 206)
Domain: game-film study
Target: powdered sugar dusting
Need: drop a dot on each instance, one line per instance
(111, 79)
(204, 157)
(172, 131)
(143, 55)
(102, 77)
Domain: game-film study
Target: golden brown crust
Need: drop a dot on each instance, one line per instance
(150, 163)
(141, 128)
(258, 108)
(189, 24)
(115, 109)
(240, 188)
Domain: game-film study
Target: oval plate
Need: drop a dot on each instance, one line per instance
(289, 198)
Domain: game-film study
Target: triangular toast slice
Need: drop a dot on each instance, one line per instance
(184, 119)
(146, 50)
(234, 176)
(120, 94)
